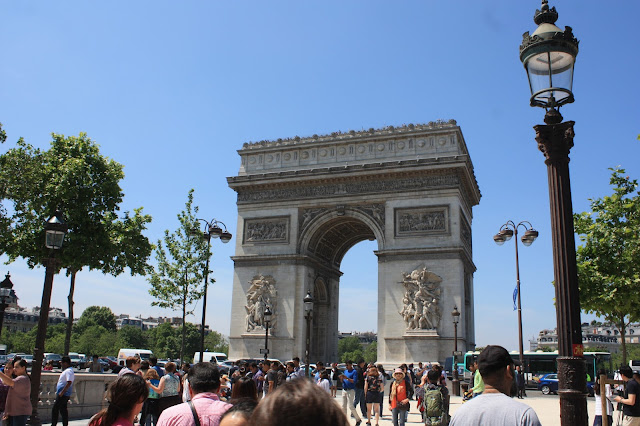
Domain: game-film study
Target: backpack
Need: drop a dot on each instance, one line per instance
(434, 406)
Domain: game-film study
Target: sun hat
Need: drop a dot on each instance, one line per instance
(398, 370)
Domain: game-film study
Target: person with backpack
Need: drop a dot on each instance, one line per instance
(434, 410)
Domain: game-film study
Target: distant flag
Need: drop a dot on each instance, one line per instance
(515, 295)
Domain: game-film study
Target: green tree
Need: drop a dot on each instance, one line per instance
(72, 176)
(177, 282)
(371, 352)
(216, 342)
(348, 344)
(353, 356)
(97, 315)
(608, 267)
(131, 337)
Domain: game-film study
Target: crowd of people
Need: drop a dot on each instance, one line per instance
(270, 393)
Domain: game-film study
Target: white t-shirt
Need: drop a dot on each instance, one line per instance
(66, 376)
(494, 409)
(325, 384)
(608, 394)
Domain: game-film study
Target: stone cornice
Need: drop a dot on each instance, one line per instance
(353, 135)
(363, 179)
(280, 259)
(428, 253)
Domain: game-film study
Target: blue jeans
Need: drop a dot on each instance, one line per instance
(597, 421)
(359, 399)
(397, 417)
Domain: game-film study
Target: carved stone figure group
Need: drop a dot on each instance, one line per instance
(421, 310)
(261, 293)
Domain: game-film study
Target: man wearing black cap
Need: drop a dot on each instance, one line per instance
(494, 407)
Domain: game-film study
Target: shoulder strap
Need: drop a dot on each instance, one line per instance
(196, 420)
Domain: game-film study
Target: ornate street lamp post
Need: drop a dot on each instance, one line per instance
(5, 292)
(549, 56)
(55, 230)
(456, 381)
(267, 323)
(308, 314)
(212, 231)
(506, 232)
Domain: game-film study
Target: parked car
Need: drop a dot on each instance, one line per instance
(54, 358)
(111, 362)
(548, 384)
(3, 360)
(28, 359)
(76, 360)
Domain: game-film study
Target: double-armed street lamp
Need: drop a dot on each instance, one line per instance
(548, 56)
(507, 231)
(454, 365)
(308, 314)
(212, 230)
(5, 292)
(267, 322)
(55, 230)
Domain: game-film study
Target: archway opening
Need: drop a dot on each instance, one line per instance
(345, 291)
(358, 307)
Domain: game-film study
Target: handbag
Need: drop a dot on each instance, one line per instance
(402, 406)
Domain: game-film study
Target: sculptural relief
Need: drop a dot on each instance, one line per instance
(262, 293)
(421, 310)
(266, 230)
(421, 221)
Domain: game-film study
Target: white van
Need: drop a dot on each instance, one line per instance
(215, 357)
(124, 353)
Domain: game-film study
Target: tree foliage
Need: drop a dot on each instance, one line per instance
(215, 342)
(177, 282)
(371, 352)
(608, 266)
(96, 316)
(350, 348)
(91, 337)
(74, 177)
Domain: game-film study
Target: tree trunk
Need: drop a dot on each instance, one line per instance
(67, 336)
(623, 334)
(184, 319)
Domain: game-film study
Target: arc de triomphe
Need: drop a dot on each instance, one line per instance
(304, 202)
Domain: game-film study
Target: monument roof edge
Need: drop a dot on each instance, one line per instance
(339, 136)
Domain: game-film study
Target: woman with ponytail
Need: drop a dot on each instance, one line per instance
(126, 396)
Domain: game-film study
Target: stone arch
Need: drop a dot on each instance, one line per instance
(333, 232)
(304, 202)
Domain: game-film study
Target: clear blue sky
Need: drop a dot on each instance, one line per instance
(172, 90)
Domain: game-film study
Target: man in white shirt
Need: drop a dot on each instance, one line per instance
(63, 392)
(494, 407)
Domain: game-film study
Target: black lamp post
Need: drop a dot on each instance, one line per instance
(506, 232)
(308, 314)
(5, 292)
(267, 322)
(212, 231)
(55, 230)
(456, 381)
(548, 56)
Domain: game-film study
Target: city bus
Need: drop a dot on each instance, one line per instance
(539, 363)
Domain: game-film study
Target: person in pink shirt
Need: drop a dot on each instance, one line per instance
(126, 395)
(204, 383)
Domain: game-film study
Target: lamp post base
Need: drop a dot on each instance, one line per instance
(455, 387)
